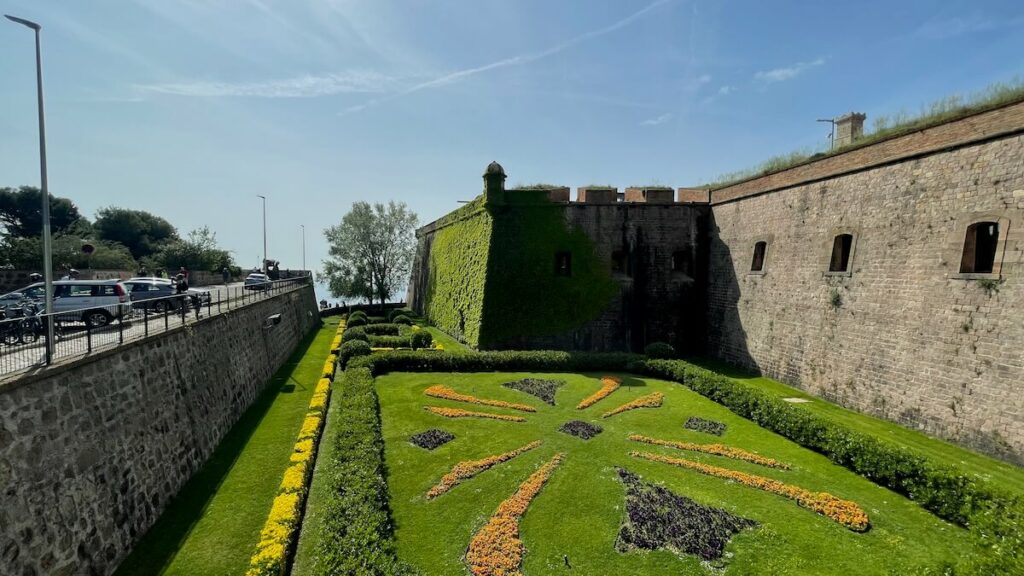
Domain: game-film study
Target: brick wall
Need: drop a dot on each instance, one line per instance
(904, 336)
(92, 451)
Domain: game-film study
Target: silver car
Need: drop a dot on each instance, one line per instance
(95, 302)
(158, 294)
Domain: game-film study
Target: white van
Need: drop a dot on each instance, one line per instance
(95, 302)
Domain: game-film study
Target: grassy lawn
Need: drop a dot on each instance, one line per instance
(213, 524)
(575, 519)
(1000, 473)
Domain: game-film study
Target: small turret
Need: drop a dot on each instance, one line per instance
(494, 183)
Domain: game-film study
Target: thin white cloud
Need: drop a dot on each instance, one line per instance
(306, 86)
(659, 120)
(788, 72)
(511, 61)
(726, 90)
(961, 25)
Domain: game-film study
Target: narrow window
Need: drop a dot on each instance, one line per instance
(618, 262)
(980, 248)
(757, 265)
(681, 262)
(563, 264)
(841, 247)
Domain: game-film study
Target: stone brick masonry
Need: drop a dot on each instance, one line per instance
(92, 451)
(904, 336)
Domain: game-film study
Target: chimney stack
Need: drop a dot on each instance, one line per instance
(849, 129)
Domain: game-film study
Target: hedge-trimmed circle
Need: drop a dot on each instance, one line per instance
(351, 349)
(351, 334)
(421, 339)
(659, 350)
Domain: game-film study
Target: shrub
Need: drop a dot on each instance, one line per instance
(383, 329)
(390, 341)
(356, 321)
(659, 350)
(376, 320)
(421, 339)
(352, 349)
(357, 314)
(356, 534)
(398, 312)
(402, 319)
(351, 334)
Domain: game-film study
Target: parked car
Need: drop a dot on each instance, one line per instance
(95, 302)
(12, 299)
(159, 293)
(257, 281)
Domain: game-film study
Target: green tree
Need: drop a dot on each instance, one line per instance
(27, 254)
(139, 231)
(371, 251)
(21, 213)
(197, 251)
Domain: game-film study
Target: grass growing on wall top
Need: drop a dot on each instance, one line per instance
(212, 525)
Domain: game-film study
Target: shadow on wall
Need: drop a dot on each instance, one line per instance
(726, 338)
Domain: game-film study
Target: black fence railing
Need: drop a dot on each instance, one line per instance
(108, 323)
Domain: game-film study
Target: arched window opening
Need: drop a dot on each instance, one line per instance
(757, 265)
(980, 243)
(841, 248)
(563, 264)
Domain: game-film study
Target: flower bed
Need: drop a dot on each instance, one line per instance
(543, 389)
(657, 518)
(715, 449)
(279, 531)
(460, 413)
(496, 549)
(701, 425)
(581, 429)
(649, 401)
(609, 384)
(845, 512)
(431, 439)
(470, 468)
(447, 393)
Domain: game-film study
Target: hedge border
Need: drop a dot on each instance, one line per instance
(359, 522)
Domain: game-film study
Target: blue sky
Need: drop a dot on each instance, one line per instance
(188, 108)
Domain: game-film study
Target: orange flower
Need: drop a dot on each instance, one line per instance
(844, 512)
(716, 449)
(496, 549)
(649, 401)
(447, 393)
(460, 413)
(468, 469)
(609, 384)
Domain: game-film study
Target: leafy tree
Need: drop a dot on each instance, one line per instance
(197, 251)
(371, 251)
(21, 212)
(27, 254)
(139, 231)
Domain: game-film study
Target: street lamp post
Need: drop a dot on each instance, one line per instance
(264, 198)
(47, 258)
(303, 226)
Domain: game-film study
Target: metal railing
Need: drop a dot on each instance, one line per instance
(86, 330)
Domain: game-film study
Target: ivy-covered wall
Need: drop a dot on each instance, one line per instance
(525, 297)
(450, 270)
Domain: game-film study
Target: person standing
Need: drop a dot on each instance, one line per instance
(226, 274)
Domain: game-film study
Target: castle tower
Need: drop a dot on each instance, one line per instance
(494, 183)
(849, 128)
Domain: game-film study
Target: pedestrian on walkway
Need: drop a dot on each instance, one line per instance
(226, 274)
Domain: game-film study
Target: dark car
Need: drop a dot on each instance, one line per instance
(159, 294)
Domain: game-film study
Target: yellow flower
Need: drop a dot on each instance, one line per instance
(310, 427)
(294, 478)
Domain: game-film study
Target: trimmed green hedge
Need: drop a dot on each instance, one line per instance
(356, 333)
(357, 531)
(391, 341)
(383, 329)
(351, 349)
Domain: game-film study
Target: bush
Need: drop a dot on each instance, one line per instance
(396, 312)
(390, 341)
(376, 320)
(352, 349)
(354, 334)
(356, 534)
(383, 329)
(659, 350)
(354, 322)
(402, 319)
(421, 339)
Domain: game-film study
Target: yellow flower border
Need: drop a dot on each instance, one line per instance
(460, 413)
(714, 449)
(609, 384)
(650, 401)
(282, 525)
(446, 393)
(470, 468)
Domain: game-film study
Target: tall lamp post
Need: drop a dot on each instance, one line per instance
(303, 226)
(47, 258)
(264, 198)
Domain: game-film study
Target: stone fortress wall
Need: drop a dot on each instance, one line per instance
(903, 334)
(92, 451)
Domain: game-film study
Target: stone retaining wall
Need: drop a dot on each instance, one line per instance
(91, 451)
